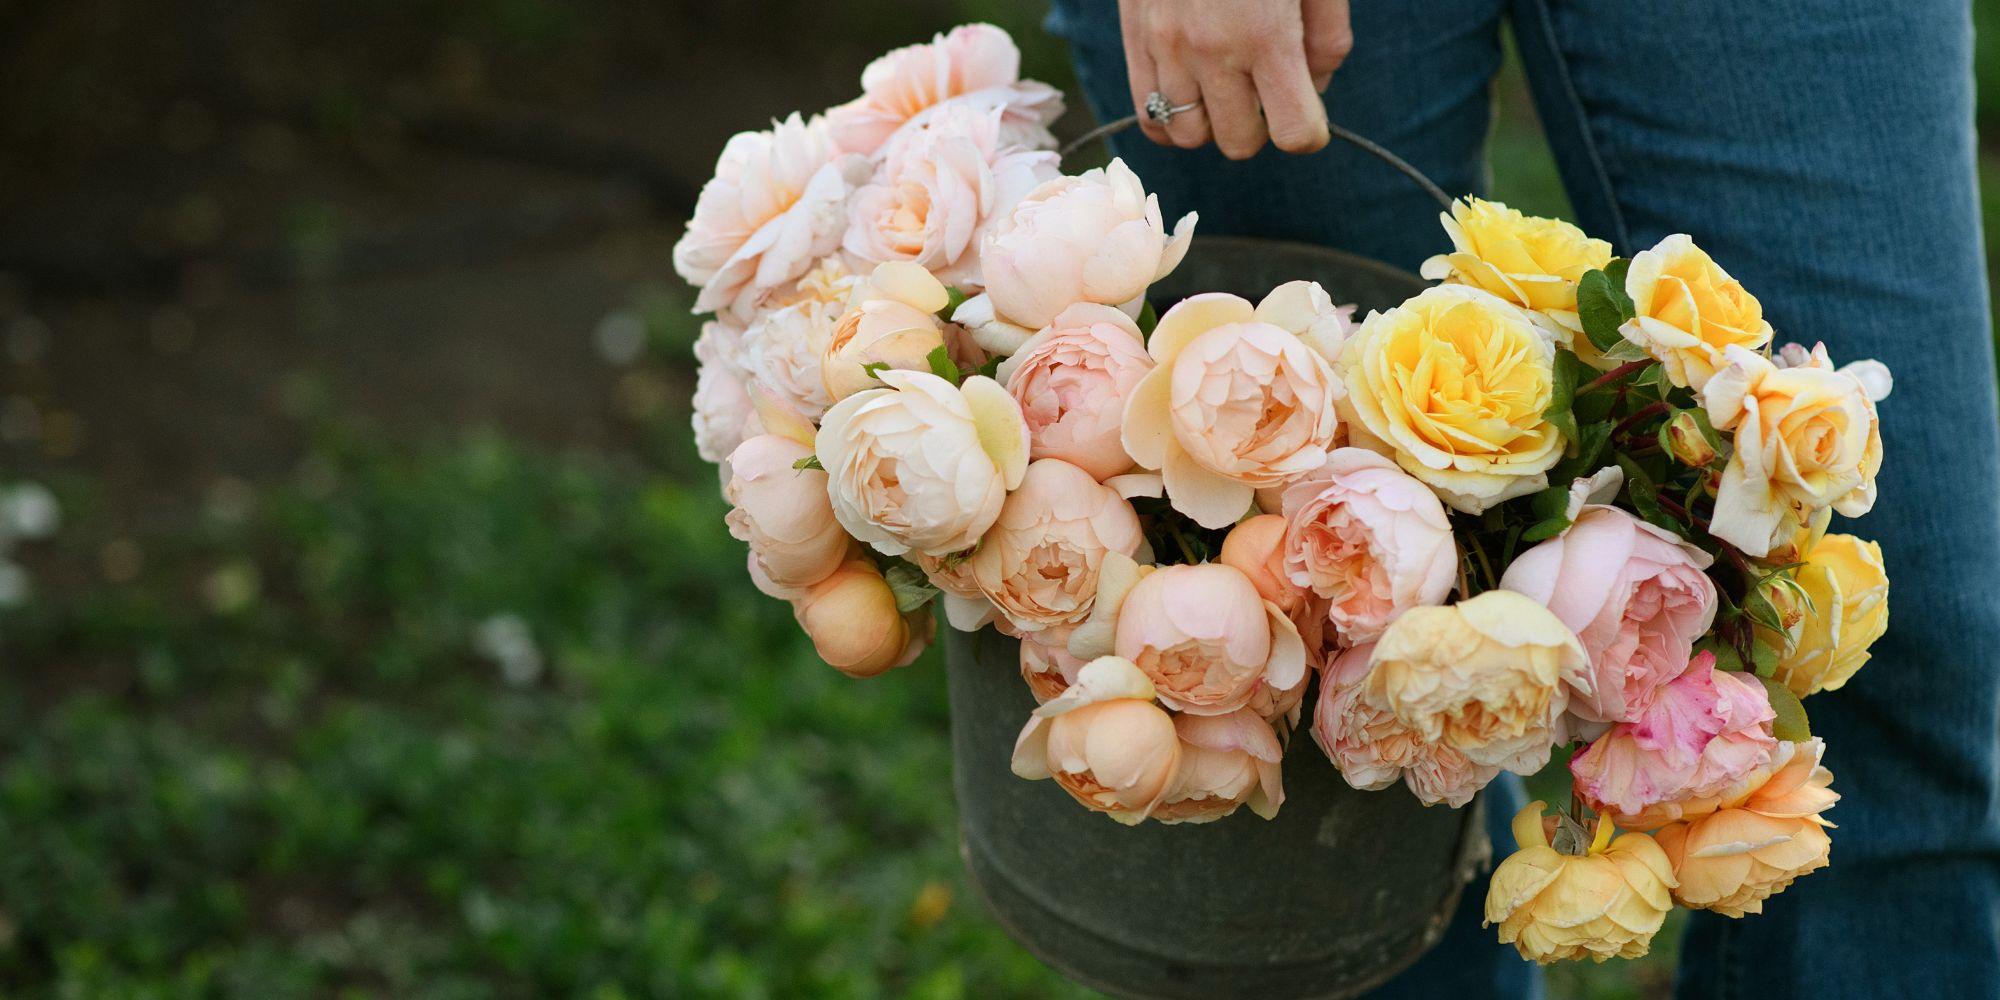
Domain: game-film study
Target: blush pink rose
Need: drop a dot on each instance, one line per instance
(1369, 540)
(1373, 750)
(1104, 741)
(1207, 639)
(1071, 380)
(1706, 731)
(1046, 663)
(974, 64)
(1039, 562)
(776, 205)
(783, 512)
(723, 414)
(1227, 762)
(938, 187)
(1634, 594)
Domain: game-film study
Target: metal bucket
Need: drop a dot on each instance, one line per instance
(1340, 892)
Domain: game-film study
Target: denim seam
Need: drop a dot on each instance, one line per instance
(1560, 57)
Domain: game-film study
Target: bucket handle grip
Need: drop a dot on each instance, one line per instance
(1349, 136)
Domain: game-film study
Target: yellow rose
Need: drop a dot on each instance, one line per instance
(1606, 903)
(1452, 385)
(1484, 676)
(1531, 262)
(1805, 437)
(1843, 576)
(1689, 310)
(1734, 858)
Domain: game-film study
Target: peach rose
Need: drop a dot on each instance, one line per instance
(1734, 858)
(891, 320)
(1704, 733)
(855, 627)
(938, 187)
(1634, 594)
(783, 512)
(1072, 379)
(1453, 385)
(965, 608)
(1227, 762)
(1605, 903)
(1038, 564)
(1369, 540)
(1104, 741)
(1690, 311)
(1046, 663)
(1844, 578)
(776, 205)
(1234, 403)
(1255, 547)
(1092, 237)
(1374, 750)
(1805, 438)
(921, 464)
(1488, 677)
(972, 65)
(723, 415)
(1532, 262)
(1206, 639)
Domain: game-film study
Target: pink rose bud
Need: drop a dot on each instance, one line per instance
(1206, 639)
(783, 512)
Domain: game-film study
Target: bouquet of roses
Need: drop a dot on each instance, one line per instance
(1557, 500)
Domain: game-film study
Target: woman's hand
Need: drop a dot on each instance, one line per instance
(1237, 56)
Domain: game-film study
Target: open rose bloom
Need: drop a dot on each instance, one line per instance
(1558, 504)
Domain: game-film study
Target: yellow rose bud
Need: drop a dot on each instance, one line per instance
(1687, 443)
(1734, 858)
(1849, 590)
(1452, 385)
(855, 627)
(1606, 903)
(1531, 262)
(1689, 310)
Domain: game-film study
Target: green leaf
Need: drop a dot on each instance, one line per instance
(953, 299)
(1148, 319)
(1551, 502)
(1562, 394)
(1726, 656)
(1653, 374)
(912, 588)
(1625, 350)
(1545, 529)
(943, 367)
(808, 462)
(874, 369)
(1602, 308)
(1763, 658)
(1760, 609)
(991, 369)
(1645, 494)
(1615, 272)
(1791, 724)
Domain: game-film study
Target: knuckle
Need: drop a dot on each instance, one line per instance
(1331, 48)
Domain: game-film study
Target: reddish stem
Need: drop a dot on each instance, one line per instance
(1612, 376)
(1649, 410)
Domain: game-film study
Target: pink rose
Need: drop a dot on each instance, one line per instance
(1706, 731)
(1206, 639)
(776, 205)
(1368, 539)
(1046, 663)
(723, 415)
(1227, 761)
(1256, 548)
(1104, 741)
(891, 319)
(937, 189)
(783, 512)
(974, 64)
(1373, 750)
(1071, 380)
(1234, 403)
(1092, 237)
(1634, 594)
(1039, 562)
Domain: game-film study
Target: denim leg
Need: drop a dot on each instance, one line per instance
(1823, 151)
(1417, 83)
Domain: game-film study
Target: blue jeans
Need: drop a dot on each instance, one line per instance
(1822, 150)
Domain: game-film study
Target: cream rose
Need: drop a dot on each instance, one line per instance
(973, 65)
(1233, 403)
(938, 187)
(1206, 638)
(1532, 262)
(1227, 762)
(1488, 677)
(1849, 589)
(1452, 385)
(1805, 438)
(1605, 903)
(1039, 562)
(1104, 741)
(1072, 379)
(776, 205)
(1368, 540)
(921, 464)
(891, 320)
(1689, 311)
(723, 414)
(1752, 848)
(1373, 750)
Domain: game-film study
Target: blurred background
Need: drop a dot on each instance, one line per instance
(367, 624)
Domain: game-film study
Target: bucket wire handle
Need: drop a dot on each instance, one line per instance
(1355, 139)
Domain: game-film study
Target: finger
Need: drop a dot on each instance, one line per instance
(1329, 38)
(1293, 112)
(1231, 102)
(1139, 72)
(1188, 129)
